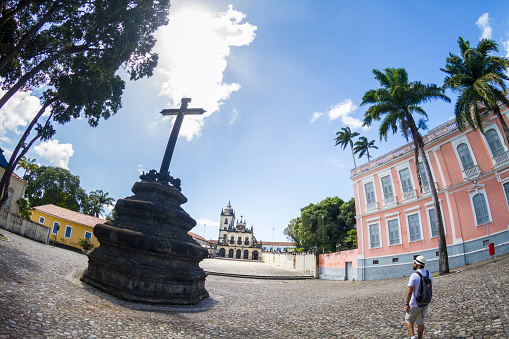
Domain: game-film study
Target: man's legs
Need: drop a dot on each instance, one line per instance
(410, 328)
(420, 331)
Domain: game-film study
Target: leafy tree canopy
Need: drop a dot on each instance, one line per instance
(54, 185)
(324, 225)
(71, 50)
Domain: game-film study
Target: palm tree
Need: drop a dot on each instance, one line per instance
(479, 79)
(98, 199)
(362, 146)
(344, 138)
(27, 164)
(394, 103)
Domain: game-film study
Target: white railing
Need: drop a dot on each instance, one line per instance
(409, 195)
(389, 201)
(501, 158)
(371, 206)
(471, 172)
(427, 189)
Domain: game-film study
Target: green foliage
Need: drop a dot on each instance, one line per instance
(362, 146)
(27, 164)
(85, 244)
(344, 137)
(323, 226)
(479, 79)
(351, 239)
(112, 215)
(54, 185)
(96, 202)
(72, 50)
(24, 208)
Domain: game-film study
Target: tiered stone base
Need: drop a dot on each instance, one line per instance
(146, 254)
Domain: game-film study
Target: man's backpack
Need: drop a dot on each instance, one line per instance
(424, 294)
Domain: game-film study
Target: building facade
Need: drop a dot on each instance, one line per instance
(15, 193)
(235, 240)
(396, 217)
(66, 227)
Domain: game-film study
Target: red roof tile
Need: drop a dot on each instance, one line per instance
(69, 215)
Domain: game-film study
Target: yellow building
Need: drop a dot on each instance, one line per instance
(67, 227)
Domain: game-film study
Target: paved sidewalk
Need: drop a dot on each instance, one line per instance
(38, 300)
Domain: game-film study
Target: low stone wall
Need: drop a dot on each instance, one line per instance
(304, 262)
(26, 228)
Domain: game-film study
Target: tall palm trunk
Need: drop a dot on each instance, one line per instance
(443, 258)
(353, 156)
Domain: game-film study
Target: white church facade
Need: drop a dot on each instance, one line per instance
(235, 240)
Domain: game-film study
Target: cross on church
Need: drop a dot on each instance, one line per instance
(179, 112)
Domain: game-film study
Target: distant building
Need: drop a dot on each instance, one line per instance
(16, 191)
(396, 218)
(268, 246)
(67, 227)
(210, 245)
(235, 240)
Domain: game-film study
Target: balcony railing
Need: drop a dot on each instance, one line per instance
(471, 172)
(409, 195)
(371, 206)
(427, 188)
(390, 201)
(501, 158)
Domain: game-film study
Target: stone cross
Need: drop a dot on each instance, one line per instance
(179, 112)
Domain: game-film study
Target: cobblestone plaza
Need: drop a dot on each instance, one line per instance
(40, 297)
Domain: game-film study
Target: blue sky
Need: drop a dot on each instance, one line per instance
(278, 80)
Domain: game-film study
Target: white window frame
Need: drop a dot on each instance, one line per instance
(474, 192)
(494, 126)
(91, 235)
(391, 218)
(409, 212)
(429, 206)
(53, 228)
(371, 223)
(370, 179)
(473, 171)
(381, 175)
(505, 195)
(399, 168)
(41, 220)
(65, 233)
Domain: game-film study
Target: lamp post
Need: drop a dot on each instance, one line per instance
(323, 235)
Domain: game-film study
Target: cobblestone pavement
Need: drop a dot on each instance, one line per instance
(38, 300)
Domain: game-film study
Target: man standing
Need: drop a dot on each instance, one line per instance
(414, 313)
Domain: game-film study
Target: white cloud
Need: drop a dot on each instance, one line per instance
(192, 57)
(141, 169)
(484, 24)
(334, 162)
(18, 111)
(342, 111)
(235, 115)
(153, 124)
(506, 46)
(56, 153)
(316, 115)
(207, 222)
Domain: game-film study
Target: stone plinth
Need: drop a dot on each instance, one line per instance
(146, 254)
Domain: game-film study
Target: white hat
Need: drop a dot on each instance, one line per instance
(420, 260)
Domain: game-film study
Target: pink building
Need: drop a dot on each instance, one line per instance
(395, 218)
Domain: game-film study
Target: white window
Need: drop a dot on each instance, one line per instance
(370, 193)
(88, 235)
(432, 223)
(393, 230)
(56, 227)
(68, 231)
(424, 175)
(482, 214)
(494, 142)
(41, 220)
(414, 227)
(387, 187)
(374, 236)
(406, 180)
(465, 157)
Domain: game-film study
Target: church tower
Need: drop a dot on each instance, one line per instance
(227, 221)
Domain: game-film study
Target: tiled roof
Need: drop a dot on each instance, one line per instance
(194, 235)
(69, 215)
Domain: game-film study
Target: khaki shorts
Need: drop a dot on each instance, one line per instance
(416, 315)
